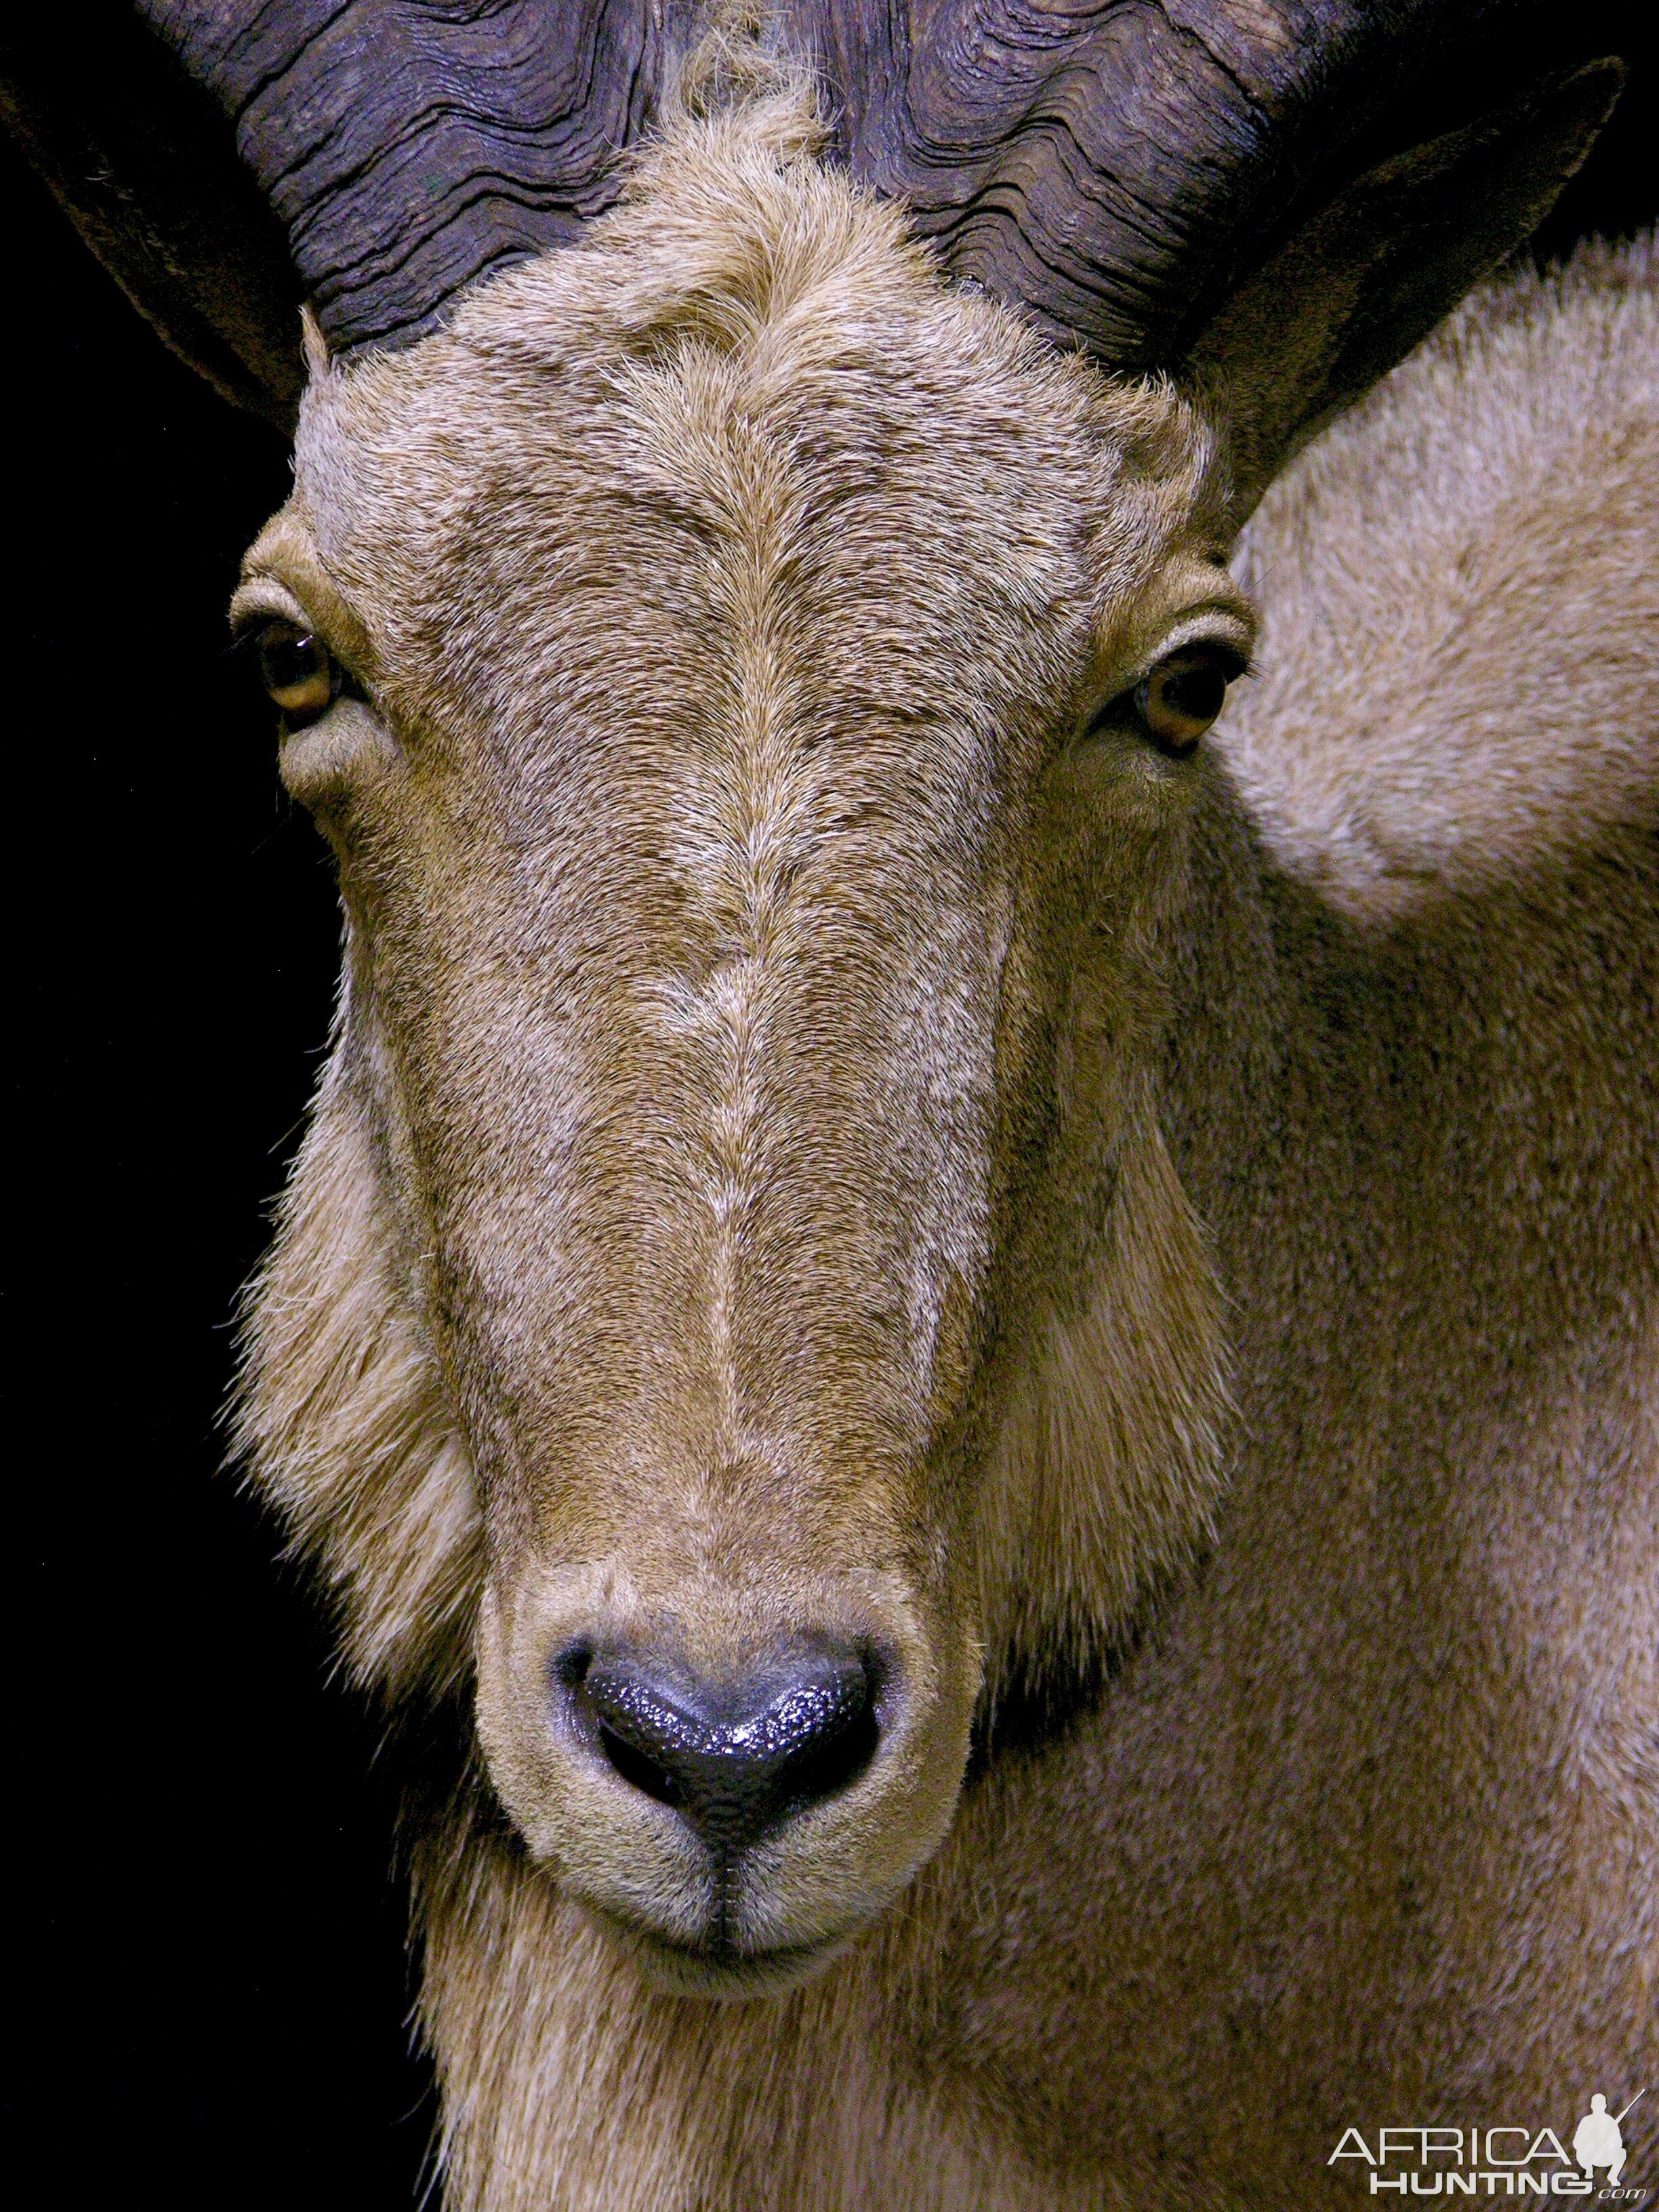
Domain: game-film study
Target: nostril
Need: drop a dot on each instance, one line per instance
(824, 1739)
(737, 1757)
(636, 1766)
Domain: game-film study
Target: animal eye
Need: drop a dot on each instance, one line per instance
(298, 671)
(1177, 701)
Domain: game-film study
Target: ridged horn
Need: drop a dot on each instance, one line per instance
(1112, 167)
(1116, 166)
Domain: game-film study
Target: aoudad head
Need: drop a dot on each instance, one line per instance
(735, 1308)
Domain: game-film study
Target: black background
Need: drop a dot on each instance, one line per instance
(209, 1974)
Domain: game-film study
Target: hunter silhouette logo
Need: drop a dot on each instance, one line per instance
(1504, 2161)
(1596, 2140)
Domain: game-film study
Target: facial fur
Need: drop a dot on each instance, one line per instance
(751, 968)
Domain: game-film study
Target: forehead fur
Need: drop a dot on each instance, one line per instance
(748, 342)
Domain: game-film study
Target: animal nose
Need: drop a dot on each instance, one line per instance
(737, 1757)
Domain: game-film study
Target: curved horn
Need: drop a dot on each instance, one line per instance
(409, 148)
(226, 158)
(1111, 168)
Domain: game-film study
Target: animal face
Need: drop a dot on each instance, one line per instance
(734, 1296)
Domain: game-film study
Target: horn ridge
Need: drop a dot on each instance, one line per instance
(411, 148)
(1111, 168)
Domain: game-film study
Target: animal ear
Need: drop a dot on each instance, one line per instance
(144, 164)
(1350, 293)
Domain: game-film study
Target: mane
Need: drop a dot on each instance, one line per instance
(339, 1419)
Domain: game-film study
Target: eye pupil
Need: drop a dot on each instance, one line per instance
(1182, 695)
(297, 671)
(1198, 692)
(288, 659)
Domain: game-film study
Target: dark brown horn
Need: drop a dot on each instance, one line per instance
(1115, 169)
(1112, 169)
(226, 158)
(409, 148)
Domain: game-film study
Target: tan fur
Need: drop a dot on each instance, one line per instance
(802, 1123)
(349, 1430)
(1407, 734)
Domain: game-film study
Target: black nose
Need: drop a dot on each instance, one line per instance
(737, 1757)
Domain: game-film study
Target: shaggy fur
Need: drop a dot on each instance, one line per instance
(804, 1118)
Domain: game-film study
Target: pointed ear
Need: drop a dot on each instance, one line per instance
(1354, 291)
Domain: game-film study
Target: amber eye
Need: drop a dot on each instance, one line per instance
(298, 671)
(1180, 698)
